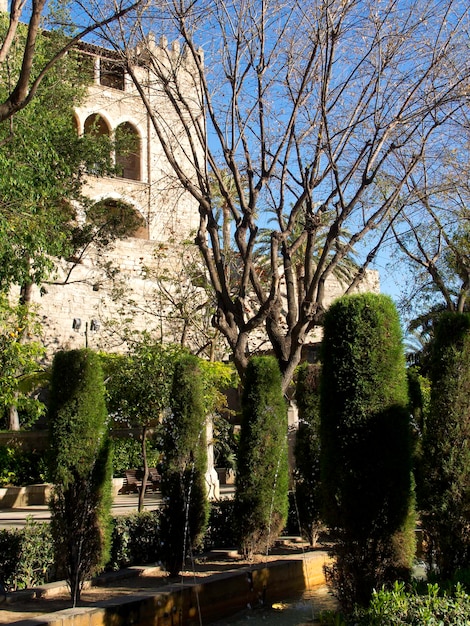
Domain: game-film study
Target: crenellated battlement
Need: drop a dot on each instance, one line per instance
(163, 52)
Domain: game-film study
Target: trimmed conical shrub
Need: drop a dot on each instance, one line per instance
(262, 470)
(307, 453)
(444, 486)
(80, 467)
(366, 447)
(184, 492)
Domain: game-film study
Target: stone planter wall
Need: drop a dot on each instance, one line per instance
(20, 497)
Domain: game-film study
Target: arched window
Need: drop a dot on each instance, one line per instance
(95, 125)
(127, 151)
(116, 219)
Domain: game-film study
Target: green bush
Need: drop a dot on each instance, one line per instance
(262, 474)
(186, 508)
(444, 476)
(22, 467)
(307, 453)
(366, 447)
(220, 531)
(80, 467)
(135, 540)
(26, 556)
(397, 607)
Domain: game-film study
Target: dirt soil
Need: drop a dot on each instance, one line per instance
(146, 580)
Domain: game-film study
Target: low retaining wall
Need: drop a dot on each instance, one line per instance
(36, 495)
(217, 597)
(20, 497)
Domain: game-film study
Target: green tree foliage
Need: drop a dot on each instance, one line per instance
(217, 379)
(262, 475)
(80, 467)
(19, 364)
(127, 454)
(307, 453)
(186, 510)
(20, 467)
(365, 446)
(44, 163)
(138, 389)
(444, 485)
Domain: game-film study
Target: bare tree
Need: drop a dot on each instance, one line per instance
(308, 107)
(30, 76)
(433, 232)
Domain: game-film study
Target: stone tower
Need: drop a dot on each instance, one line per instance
(83, 297)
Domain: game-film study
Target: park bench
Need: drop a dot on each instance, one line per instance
(134, 480)
(155, 478)
(134, 477)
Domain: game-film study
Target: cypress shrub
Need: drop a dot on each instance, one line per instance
(444, 486)
(262, 470)
(80, 467)
(186, 508)
(365, 447)
(307, 453)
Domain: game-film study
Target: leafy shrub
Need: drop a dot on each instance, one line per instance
(220, 531)
(21, 467)
(397, 607)
(135, 540)
(127, 454)
(26, 556)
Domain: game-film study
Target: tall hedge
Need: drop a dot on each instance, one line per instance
(445, 471)
(307, 452)
(186, 508)
(80, 467)
(365, 446)
(262, 471)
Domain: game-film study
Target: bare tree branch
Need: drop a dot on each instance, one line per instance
(317, 116)
(25, 88)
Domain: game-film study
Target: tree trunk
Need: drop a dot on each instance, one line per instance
(25, 299)
(13, 418)
(146, 468)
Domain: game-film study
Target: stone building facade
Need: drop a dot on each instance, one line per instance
(78, 304)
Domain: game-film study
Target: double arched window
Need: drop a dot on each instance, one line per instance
(127, 145)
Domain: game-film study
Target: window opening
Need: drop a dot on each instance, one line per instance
(111, 74)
